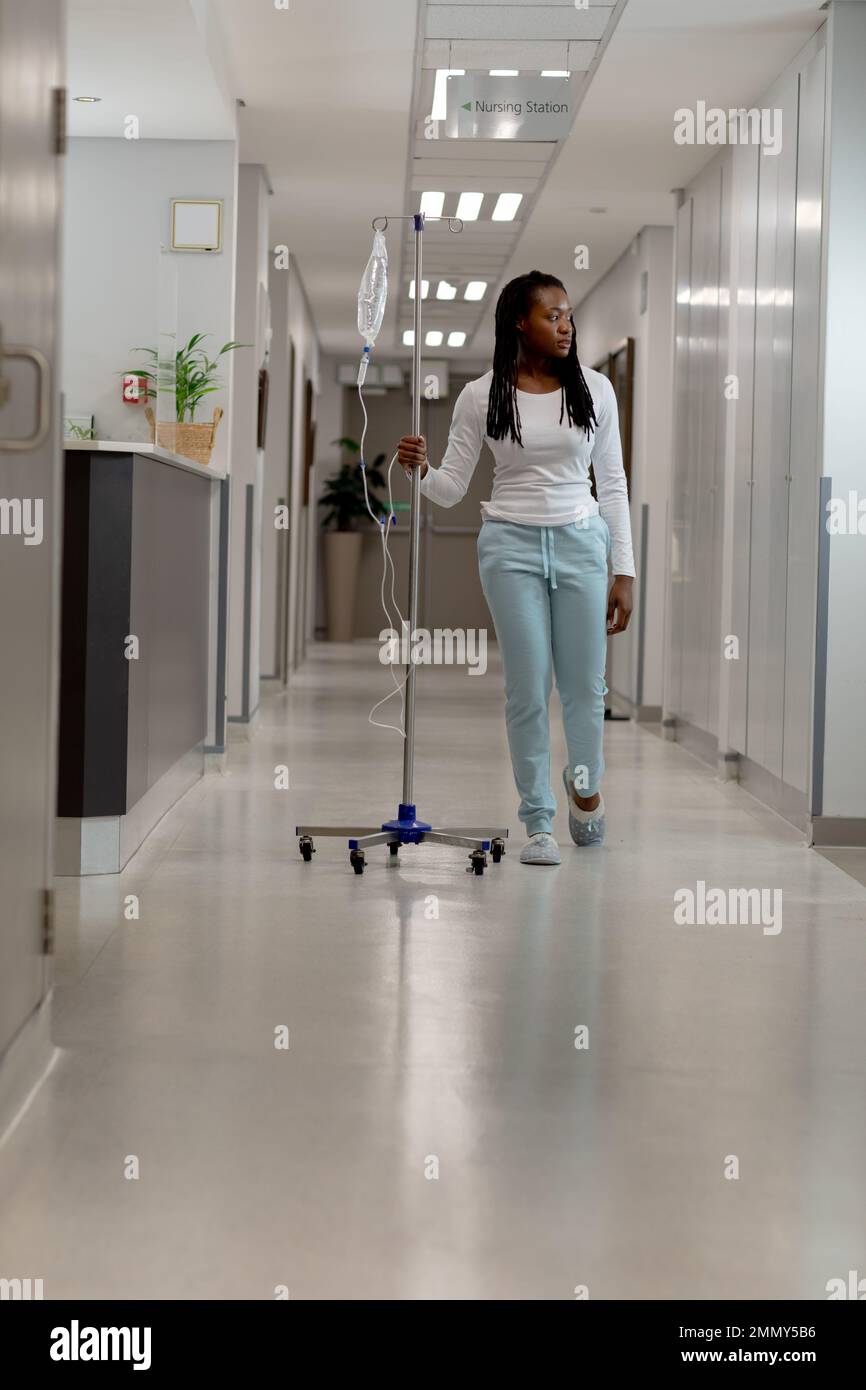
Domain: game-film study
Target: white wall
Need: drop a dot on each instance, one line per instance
(292, 325)
(302, 333)
(116, 216)
(772, 286)
(244, 667)
(844, 782)
(607, 315)
(276, 467)
(328, 460)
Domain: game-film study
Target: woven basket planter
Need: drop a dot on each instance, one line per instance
(191, 441)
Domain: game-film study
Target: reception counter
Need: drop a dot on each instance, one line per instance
(142, 644)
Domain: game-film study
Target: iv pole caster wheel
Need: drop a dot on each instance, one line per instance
(479, 860)
(307, 848)
(497, 849)
(356, 859)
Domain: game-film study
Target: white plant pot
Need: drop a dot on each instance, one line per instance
(342, 565)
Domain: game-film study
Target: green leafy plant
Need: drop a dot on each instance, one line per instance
(80, 431)
(195, 374)
(344, 490)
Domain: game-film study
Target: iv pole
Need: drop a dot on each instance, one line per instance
(405, 828)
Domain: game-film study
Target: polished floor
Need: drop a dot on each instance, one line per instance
(432, 1131)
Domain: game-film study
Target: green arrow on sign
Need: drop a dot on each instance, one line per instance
(467, 106)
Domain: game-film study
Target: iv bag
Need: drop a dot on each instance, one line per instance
(373, 291)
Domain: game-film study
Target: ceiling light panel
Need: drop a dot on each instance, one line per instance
(440, 79)
(426, 172)
(507, 207)
(523, 21)
(491, 184)
(469, 206)
(431, 204)
(482, 155)
(481, 55)
(531, 37)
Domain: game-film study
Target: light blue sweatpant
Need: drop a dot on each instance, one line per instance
(546, 588)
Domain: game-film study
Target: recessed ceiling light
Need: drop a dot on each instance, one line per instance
(433, 338)
(504, 72)
(408, 337)
(456, 339)
(475, 289)
(469, 206)
(506, 206)
(553, 72)
(439, 110)
(87, 99)
(446, 291)
(432, 204)
(425, 285)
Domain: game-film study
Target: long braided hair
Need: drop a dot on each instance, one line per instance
(503, 415)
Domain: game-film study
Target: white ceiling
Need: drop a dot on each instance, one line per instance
(156, 61)
(332, 87)
(334, 91)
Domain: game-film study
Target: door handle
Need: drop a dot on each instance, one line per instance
(23, 352)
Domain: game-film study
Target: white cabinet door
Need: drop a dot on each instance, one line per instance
(772, 436)
(680, 484)
(703, 499)
(803, 517)
(739, 415)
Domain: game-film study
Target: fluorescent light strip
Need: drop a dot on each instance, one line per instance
(506, 206)
(469, 206)
(475, 289)
(446, 291)
(433, 338)
(425, 285)
(456, 339)
(439, 110)
(432, 204)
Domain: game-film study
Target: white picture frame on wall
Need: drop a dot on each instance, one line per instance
(196, 224)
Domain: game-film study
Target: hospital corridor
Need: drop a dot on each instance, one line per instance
(432, 532)
(451, 1035)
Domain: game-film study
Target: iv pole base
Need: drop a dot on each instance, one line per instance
(406, 829)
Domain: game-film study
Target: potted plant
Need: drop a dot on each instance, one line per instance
(195, 377)
(343, 495)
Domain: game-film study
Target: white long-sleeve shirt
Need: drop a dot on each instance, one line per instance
(546, 482)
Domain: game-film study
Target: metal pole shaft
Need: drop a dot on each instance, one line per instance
(415, 527)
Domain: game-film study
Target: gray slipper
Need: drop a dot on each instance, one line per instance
(583, 832)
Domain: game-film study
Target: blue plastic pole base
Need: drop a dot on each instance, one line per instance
(409, 829)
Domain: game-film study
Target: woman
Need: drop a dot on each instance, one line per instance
(544, 544)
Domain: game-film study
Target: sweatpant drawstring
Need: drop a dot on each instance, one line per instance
(548, 547)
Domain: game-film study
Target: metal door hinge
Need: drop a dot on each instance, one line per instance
(48, 921)
(59, 95)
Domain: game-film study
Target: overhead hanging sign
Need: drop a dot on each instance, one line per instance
(508, 108)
